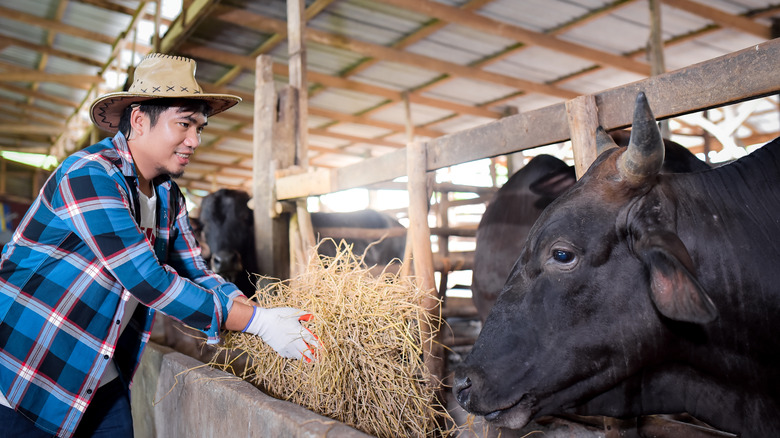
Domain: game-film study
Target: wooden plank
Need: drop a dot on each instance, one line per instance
(271, 246)
(365, 120)
(525, 36)
(30, 129)
(54, 25)
(308, 184)
(583, 120)
(265, 24)
(4, 39)
(76, 81)
(422, 257)
(427, 62)
(185, 23)
(296, 50)
(42, 96)
(723, 18)
(354, 139)
(742, 75)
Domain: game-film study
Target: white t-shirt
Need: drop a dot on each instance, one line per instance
(148, 214)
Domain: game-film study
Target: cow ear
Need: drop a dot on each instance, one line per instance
(555, 183)
(674, 290)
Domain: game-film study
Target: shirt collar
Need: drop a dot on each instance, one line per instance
(126, 163)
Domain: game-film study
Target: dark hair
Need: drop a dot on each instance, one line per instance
(154, 107)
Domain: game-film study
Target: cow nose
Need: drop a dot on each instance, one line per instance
(462, 389)
(225, 262)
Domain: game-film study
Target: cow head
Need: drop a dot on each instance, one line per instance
(590, 301)
(228, 229)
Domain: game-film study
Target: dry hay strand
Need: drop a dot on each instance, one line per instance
(369, 371)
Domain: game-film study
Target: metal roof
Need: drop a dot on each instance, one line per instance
(462, 63)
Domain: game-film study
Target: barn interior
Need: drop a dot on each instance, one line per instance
(373, 76)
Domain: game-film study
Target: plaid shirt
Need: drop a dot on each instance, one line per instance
(67, 274)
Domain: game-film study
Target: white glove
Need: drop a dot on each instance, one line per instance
(281, 329)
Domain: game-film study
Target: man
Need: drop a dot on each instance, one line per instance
(105, 245)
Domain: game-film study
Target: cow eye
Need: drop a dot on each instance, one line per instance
(562, 256)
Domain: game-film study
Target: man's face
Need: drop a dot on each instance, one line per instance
(168, 145)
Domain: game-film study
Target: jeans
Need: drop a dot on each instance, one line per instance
(108, 416)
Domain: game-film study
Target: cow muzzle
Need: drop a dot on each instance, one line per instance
(514, 416)
(227, 264)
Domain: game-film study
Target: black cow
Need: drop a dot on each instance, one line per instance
(640, 293)
(519, 202)
(228, 230)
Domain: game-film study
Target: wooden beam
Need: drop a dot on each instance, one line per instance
(506, 30)
(723, 19)
(185, 23)
(49, 51)
(266, 24)
(25, 108)
(76, 81)
(338, 82)
(27, 116)
(425, 31)
(349, 118)
(56, 26)
(742, 75)
(354, 139)
(334, 82)
(30, 129)
(27, 93)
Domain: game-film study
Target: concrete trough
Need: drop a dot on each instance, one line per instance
(176, 396)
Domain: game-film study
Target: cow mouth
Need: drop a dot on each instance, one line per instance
(515, 416)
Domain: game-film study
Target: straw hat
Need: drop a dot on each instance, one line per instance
(157, 76)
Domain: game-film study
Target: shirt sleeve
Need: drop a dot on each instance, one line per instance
(98, 209)
(185, 253)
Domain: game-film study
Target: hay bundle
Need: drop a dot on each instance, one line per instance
(370, 372)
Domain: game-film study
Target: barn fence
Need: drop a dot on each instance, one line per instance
(743, 75)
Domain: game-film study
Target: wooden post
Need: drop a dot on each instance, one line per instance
(271, 232)
(157, 21)
(444, 244)
(296, 27)
(406, 267)
(655, 49)
(583, 119)
(422, 254)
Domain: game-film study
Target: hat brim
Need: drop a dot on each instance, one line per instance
(107, 110)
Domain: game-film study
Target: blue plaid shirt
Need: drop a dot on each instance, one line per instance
(62, 278)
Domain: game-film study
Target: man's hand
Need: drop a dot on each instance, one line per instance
(281, 329)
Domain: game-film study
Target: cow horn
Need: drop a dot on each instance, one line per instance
(645, 153)
(604, 141)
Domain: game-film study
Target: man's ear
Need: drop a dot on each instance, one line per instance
(674, 290)
(139, 122)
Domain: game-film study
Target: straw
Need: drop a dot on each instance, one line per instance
(370, 372)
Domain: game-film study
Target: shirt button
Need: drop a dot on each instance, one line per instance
(105, 357)
(118, 322)
(89, 391)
